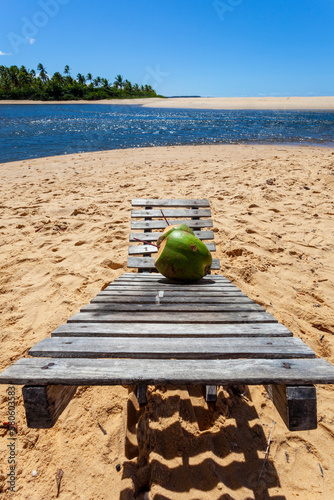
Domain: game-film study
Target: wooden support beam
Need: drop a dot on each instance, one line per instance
(210, 393)
(297, 405)
(44, 404)
(141, 394)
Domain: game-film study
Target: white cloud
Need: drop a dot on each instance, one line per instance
(31, 40)
(5, 53)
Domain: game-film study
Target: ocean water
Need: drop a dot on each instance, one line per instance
(34, 131)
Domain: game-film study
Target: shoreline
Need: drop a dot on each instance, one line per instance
(213, 145)
(316, 103)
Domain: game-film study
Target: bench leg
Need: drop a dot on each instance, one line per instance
(297, 405)
(141, 394)
(210, 393)
(44, 403)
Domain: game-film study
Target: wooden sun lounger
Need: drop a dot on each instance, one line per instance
(144, 330)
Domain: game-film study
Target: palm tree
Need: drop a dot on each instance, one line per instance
(105, 82)
(81, 78)
(57, 78)
(13, 75)
(23, 76)
(89, 77)
(42, 73)
(97, 81)
(4, 78)
(69, 80)
(119, 83)
(67, 70)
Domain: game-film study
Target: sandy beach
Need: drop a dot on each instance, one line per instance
(64, 232)
(325, 103)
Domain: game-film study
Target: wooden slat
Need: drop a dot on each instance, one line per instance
(148, 263)
(171, 213)
(153, 299)
(145, 280)
(142, 249)
(180, 292)
(141, 202)
(171, 287)
(202, 235)
(157, 276)
(157, 330)
(178, 348)
(171, 317)
(39, 371)
(161, 224)
(165, 284)
(161, 307)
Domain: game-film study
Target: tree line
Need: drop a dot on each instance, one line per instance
(22, 83)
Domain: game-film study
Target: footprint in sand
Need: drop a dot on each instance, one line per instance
(111, 264)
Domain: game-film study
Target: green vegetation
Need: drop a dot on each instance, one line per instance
(21, 83)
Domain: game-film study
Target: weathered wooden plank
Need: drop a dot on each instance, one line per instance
(171, 213)
(202, 235)
(210, 393)
(147, 281)
(171, 317)
(218, 278)
(171, 287)
(178, 348)
(172, 293)
(158, 330)
(297, 405)
(148, 263)
(141, 202)
(142, 249)
(107, 307)
(153, 299)
(43, 404)
(161, 224)
(41, 371)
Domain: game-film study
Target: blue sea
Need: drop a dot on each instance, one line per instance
(34, 131)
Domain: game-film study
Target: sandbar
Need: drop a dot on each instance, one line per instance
(325, 103)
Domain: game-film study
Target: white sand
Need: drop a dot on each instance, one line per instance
(318, 102)
(64, 234)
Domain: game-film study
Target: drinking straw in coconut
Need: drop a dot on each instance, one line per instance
(146, 242)
(164, 217)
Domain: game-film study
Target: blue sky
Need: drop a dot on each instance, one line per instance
(197, 47)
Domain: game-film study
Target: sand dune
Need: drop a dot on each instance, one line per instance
(64, 233)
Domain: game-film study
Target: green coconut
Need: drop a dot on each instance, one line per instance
(169, 229)
(182, 256)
